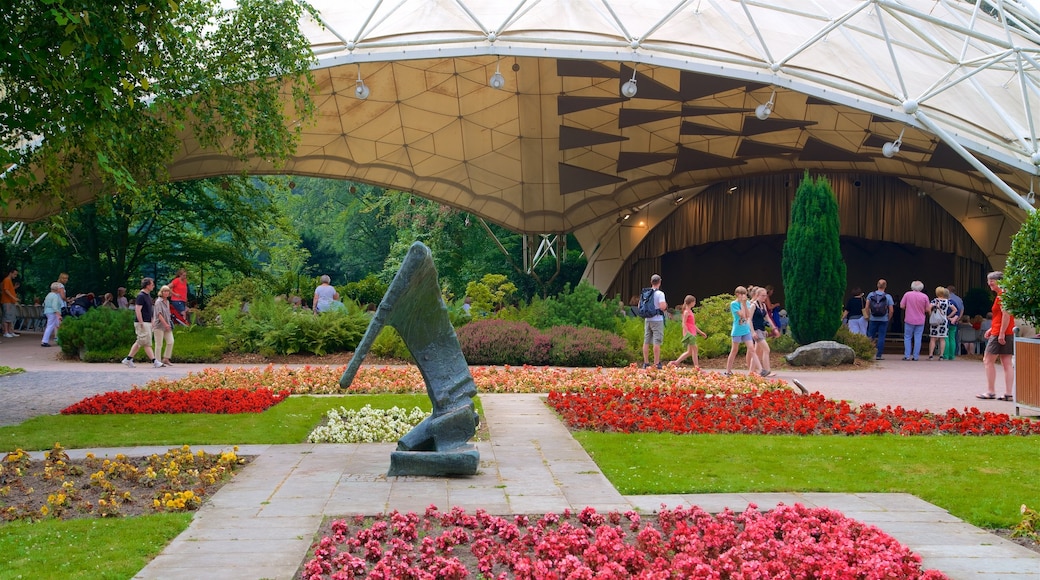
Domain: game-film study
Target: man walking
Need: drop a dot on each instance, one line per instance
(143, 325)
(653, 327)
(10, 301)
(880, 305)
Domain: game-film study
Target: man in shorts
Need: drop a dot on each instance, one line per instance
(143, 325)
(653, 327)
(1000, 343)
(10, 301)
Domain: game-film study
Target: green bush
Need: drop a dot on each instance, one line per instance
(587, 347)
(714, 318)
(632, 330)
(106, 335)
(389, 344)
(862, 345)
(582, 307)
(784, 344)
(99, 332)
(490, 294)
(233, 296)
(368, 290)
(1021, 292)
(270, 328)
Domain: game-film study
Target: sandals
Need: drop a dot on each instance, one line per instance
(993, 396)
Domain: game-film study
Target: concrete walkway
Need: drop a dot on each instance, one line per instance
(260, 524)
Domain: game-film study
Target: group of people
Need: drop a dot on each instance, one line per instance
(753, 322)
(57, 304)
(154, 320)
(871, 314)
(941, 315)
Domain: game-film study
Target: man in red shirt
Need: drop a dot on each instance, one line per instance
(10, 301)
(1000, 342)
(179, 296)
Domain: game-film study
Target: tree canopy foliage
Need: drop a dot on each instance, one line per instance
(1021, 281)
(812, 266)
(102, 89)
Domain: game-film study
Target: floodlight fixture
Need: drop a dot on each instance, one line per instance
(765, 109)
(361, 90)
(497, 81)
(892, 147)
(629, 89)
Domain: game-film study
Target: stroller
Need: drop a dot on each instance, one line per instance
(178, 318)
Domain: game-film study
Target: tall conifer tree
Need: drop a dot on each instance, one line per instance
(813, 268)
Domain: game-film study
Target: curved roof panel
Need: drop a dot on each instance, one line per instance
(559, 147)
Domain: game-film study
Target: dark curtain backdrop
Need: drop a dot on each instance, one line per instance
(719, 240)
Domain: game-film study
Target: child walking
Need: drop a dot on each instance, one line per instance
(690, 332)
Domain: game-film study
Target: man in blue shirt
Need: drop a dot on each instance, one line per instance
(880, 307)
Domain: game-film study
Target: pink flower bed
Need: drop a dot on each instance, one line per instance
(787, 542)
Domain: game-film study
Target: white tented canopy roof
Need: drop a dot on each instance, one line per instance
(516, 110)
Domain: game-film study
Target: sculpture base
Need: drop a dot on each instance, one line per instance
(462, 461)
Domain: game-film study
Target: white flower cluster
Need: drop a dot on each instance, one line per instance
(366, 425)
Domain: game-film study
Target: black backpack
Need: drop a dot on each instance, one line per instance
(878, 304)
(647, 308)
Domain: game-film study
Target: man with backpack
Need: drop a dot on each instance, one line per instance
(879, 308)
(651, 308)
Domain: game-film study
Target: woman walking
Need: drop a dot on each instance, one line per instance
(162, 325)
(52, 306)
(690, 332)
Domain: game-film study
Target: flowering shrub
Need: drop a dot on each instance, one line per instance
(141, 401)
(508, 379)
(366, 425)
(787, 542)
(777, 412)
(586, 347)
(510, 342)
(60, 488)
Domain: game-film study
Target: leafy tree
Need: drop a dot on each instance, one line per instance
(345, 227)
(1021, 284)
(102, 89)
(490, 294)
(812, 267)
(227, 226)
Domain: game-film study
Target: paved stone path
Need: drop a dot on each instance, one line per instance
(264, 520)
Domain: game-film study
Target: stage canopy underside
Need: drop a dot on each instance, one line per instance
(518, 111)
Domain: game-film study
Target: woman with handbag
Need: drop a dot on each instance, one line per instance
(941, 311)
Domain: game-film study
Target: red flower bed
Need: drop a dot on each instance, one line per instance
(172, 401)
(765, 412)
(787, 542)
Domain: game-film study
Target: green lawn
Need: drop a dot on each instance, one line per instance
(982, 480)
(86, 548)
(287, 422)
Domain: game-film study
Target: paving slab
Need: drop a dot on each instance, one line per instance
(266, 518)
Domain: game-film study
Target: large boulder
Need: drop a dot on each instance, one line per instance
(825, 353)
